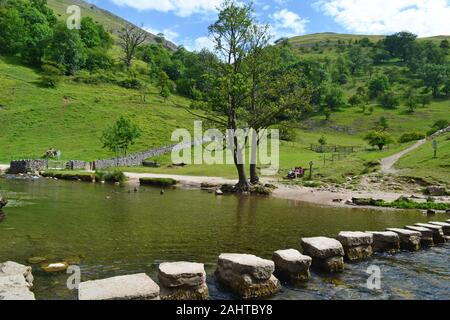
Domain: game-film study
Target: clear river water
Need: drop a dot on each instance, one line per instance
(109, 230)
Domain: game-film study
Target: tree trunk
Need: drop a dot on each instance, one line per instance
(254, 179)
(242, 185)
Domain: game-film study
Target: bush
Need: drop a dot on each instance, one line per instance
(438, 125)
(157, 182)
(98, 58)
(389, 100)
(378, 139)
(69, 175)
(51, 75)
(411, 136)
(131, 83)
(287, 133)
(111, 176)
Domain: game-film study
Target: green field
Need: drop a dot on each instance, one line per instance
(421, 162)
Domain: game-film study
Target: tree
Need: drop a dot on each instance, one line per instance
(51, 75)
(411, 100)
(322, 141)
(434, 76)
(444, 44)
(340, 71)
(378, 85)
(67, 49)
(378, 139)
(334, 97)
(230, 34)
(382, 124)
(425, 99)
(131, 37)
(389, 100)
(359, 62)
(164, 84)
(93, 34)
(400, 44)
(118, 137)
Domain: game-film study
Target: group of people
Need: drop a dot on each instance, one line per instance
(297, 172)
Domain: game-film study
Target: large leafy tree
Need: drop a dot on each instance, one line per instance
(400, 45)
(118, 137)
(68, 49)
(434, 76)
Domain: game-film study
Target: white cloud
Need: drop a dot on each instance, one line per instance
(423, 17)
(288, 24)
(182, 8)
(199, 44)
(168, 33)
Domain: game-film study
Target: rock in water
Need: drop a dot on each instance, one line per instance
(130, 287)
(426, 238)
(445, 226)
(183, 281)
(409, 240)
(438, 233)
(357, 245)
(36, 260)
(247, 276)
(15, 282)
(292, 265)
(385, 241)
(55, 267)
(326, 253)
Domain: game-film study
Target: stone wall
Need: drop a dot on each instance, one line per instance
(78, 165)
(25, 166)
(137, 158)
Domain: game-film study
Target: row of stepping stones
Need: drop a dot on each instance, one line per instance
(249, 276)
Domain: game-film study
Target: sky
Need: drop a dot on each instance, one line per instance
(185, 22)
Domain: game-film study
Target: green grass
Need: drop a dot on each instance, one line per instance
(421, 162)
(33, 118)
(157, 182)
(69, 175)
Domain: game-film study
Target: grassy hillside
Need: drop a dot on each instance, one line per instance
(111, 22)
(35, 118)
(331, 39)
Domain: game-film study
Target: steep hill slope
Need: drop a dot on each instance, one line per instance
(110, 21)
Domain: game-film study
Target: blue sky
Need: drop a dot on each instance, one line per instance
(185, 22)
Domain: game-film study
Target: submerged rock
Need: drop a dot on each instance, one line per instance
(326, 253)
(292, 265)
(357, 245)
(247, 275)
(183, 281)
(36, 260)
(130, 287)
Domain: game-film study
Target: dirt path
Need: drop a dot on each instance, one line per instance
(387, 164)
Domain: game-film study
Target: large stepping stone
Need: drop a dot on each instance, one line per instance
(15, 281)
(129, 287)
(182, 281)
(438, 233)
(385, 241)
(409, 240)
(445, 226)
(247, 276)
(427, 235)
(326, 253)
(292, 265)
(357, 245)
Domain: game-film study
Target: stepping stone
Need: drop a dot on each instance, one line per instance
(182, 281)
(326, 253)
(130, 287)
(445, 226)
(426, 235)
(385, 241)
(438, 233)
(357, 245)
(409, 240)
(247, 276)
(15, 282)
(292, 265)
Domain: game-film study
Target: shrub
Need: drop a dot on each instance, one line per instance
(51, 75)
(389, 100)
(378, 139)
(69, 175)
(287, 133)
(438, 125)
(130, 83)
(157, 182)
(111, 176)
(411, 136)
